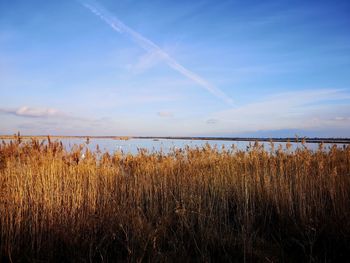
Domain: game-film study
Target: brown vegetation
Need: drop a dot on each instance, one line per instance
(189, 205)
(122, 138)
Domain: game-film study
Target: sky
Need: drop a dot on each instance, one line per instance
(175, 68)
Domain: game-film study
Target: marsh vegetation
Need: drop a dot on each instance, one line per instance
(191, 204)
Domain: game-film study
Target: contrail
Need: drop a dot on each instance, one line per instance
(149, 46)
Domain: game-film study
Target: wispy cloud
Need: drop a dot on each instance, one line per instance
(341, 118)
(310, 109)
(146, 61)
(152, 48)
(31, 112)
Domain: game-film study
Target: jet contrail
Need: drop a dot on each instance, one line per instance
(149, 46)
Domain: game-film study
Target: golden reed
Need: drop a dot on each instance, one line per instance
(201, 204)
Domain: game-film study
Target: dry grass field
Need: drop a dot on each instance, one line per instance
(201, 205)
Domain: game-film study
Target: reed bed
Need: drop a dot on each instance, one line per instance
(202, 204)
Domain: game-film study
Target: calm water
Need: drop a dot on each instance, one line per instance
(166, 145)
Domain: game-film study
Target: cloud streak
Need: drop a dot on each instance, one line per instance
(151, 47)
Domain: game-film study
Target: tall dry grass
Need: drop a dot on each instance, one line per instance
(199, 204)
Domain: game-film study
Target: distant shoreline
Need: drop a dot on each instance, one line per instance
(259, 139)
(307, 140)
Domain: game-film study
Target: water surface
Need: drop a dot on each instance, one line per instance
(165, 145)
(132, 146)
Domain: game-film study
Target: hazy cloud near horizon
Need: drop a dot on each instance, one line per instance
(309, 109)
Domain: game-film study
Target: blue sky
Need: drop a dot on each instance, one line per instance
(208, 68)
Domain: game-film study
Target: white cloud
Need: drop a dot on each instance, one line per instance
(165, 114)
(31, 112)
(33, 121)
(38, 112)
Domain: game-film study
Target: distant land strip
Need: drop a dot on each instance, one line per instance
(259, 139)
